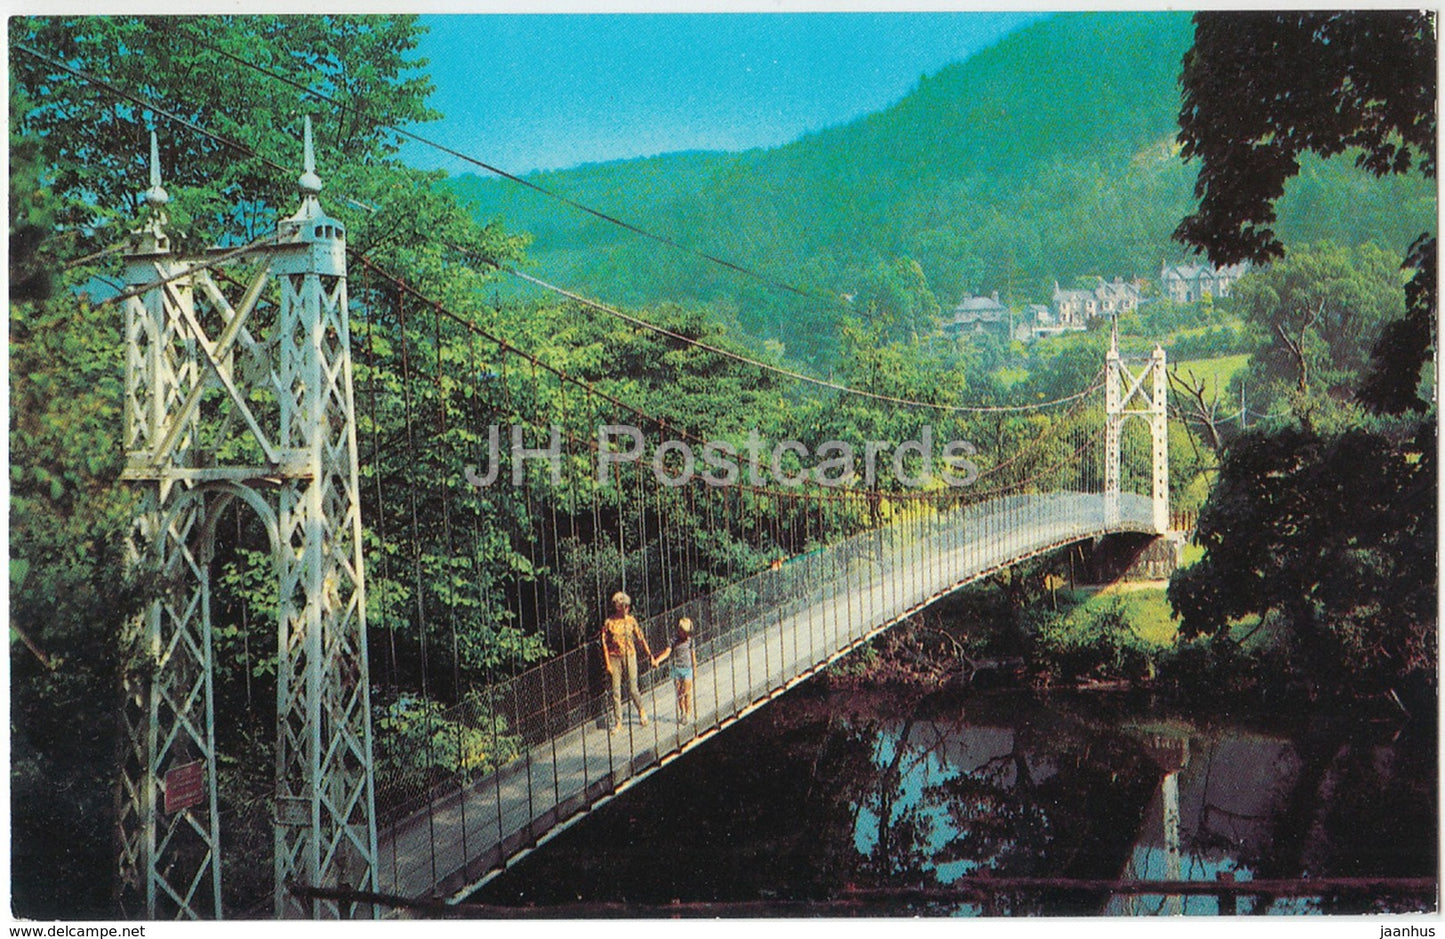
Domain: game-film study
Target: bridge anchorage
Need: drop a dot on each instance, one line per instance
(248, 401)
(230, 399)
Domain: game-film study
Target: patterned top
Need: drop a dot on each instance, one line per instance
(682, 653)
(619, 634)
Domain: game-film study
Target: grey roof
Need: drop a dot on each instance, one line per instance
(1192, 271)
(979, 305)
(972, 310)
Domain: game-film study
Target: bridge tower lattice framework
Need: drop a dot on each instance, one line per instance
(1141, 396)
(248, 400)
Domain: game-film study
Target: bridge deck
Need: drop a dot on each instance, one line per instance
(832, 602)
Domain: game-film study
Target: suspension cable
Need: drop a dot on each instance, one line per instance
(591, 304)
(788, 373)
(506, 347)
(520, 181)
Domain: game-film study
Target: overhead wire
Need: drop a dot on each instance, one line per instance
(518, 180)
(783, 526)
(561, 375)
(507, 347)
(591, 304)
(148, 104)
(777, 369)
(236, 252)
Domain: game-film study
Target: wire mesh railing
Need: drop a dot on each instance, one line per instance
(516, 759)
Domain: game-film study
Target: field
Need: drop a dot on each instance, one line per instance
(1215, 372)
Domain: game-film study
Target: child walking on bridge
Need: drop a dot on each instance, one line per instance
(684, 663)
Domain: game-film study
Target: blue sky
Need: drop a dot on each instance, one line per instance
(545, 91)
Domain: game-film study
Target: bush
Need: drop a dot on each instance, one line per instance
(419, 743)
(1091, 644)
(1214, 342)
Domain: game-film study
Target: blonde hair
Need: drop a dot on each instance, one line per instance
(685, 625)
(621, 601)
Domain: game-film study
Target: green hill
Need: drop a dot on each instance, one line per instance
(1046, 157)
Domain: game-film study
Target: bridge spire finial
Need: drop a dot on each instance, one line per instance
(150, 237)
(156, 196)
(309, 183)
(311, 225)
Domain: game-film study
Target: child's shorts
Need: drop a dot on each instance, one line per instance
(681, 673)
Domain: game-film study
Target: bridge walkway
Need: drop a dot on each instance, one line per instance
(831, 602)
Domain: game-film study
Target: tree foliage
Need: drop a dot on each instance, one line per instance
(1403, 350)
(1262, 89)
(1315, 316)
(84, 93)
(67, 552)
(96, 84)
(1324, 528)
(1332, 539)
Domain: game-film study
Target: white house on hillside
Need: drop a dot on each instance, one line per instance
(979, 314)
(1074, 308)
(1039, 321)
(1190, 283)
(1117, 297)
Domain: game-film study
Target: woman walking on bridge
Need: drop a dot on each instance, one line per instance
(620, 637)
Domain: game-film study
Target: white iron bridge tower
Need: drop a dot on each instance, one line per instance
(244, 397)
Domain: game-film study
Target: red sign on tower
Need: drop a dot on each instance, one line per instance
(185, 786)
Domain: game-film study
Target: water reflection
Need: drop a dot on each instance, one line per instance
(825, 795)
(967, 796)
(1006, 788)
(1215, 800)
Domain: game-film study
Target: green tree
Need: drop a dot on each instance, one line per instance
(1332, 540)
(67, 592)
(66, 554)
(1263, 89)
(34, 210)
(95, 84)
(1324, 529)
(1315, 316)
(84, 92)
(896, 292)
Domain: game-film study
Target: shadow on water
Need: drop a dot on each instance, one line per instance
(840, 802)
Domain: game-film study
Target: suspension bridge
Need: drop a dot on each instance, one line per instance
(338, 405)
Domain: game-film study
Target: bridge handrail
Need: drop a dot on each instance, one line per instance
(567, 691)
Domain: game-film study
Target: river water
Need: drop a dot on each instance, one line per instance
(836, 801)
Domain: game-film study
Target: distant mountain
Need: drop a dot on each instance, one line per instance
(1047, 157)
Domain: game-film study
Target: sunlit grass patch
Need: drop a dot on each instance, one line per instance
(1143, 606)
(1214, 373)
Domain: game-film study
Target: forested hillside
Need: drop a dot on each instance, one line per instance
(1047, 157)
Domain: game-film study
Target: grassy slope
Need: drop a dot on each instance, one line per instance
(1142, 604)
